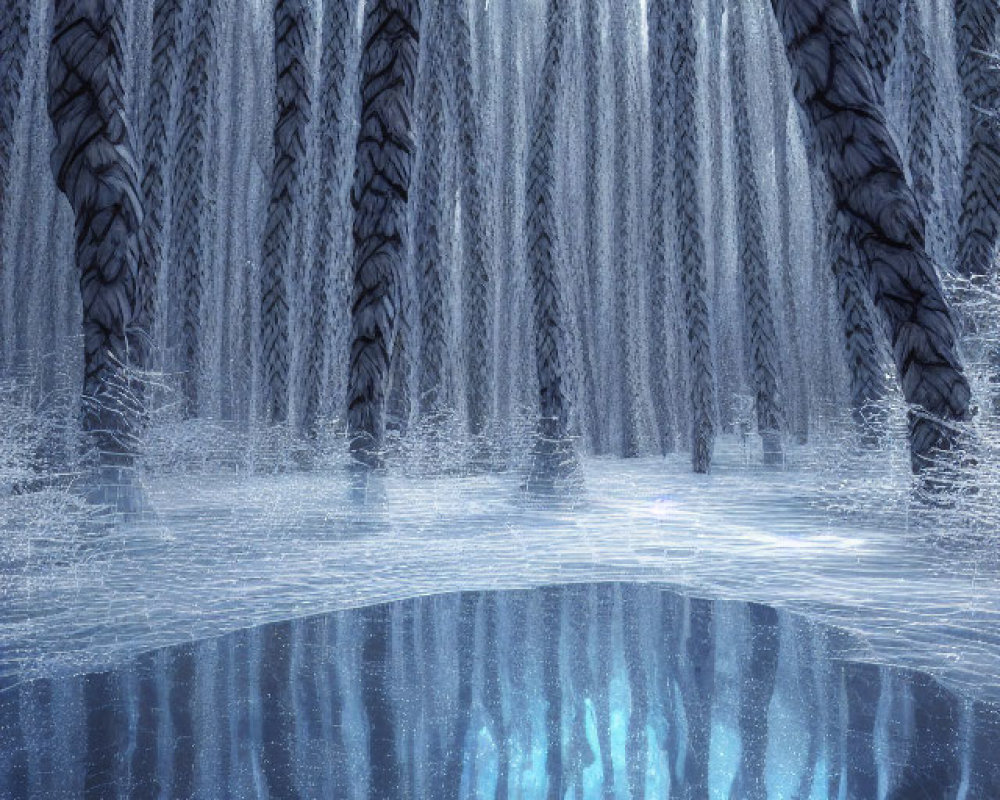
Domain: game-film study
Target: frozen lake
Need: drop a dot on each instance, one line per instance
(224, 553)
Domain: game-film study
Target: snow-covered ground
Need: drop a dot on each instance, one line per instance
(223, 552)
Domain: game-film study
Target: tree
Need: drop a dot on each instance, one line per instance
(543, 270)
(880, 24)
(594, 22)
(922, 109)
(979, 225)
(979, 222)
(14, 40)
(381, 184)
(189, 182)
(658, 14)
(758, 312)
(338, 30)
(475, 274)
(690, 242)
(95, 166)
(849, 132)
(625, 263)
(163, 74)
(796, 382)
(863, 354)
(292, 32)
(430, 225)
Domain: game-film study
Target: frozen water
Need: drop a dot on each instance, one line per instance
(605, 690)
(224, 553)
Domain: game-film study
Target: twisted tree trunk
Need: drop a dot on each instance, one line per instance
(659, 16)
(861, 348)
(338, 27)
(157, 150)
(979, 225)
(381, 185)
(475, 273)
(292, 31)
(691, 244)
(836, 91)
(95, 166)
(594, 21)
(796, 380)
(430, 227)
(14, 40)
(755, 279)
(880, 23)
(624, 279)
(189, 181)
(543, 270)
(922, 110)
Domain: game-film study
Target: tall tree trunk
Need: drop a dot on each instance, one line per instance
(292, 31)
(95, 165)
(189, 181)
(659, 17)
(979, 223)
(430, 226)
(594, 21)
(866, 177)
(979, 226)
(861, 338)
(755, 279)
(624, 263)
(338, 28)
(475, 272)
(14, 41)
(880, 24)
(157, 150)
(381, 185)
(922, 110)
(796, 380)
(692, 246)
(543, 270)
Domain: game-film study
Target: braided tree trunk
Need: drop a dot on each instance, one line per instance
(94, 161)
(14, 40)
(189, 183)
(594, 21)
(624, 264)
(338, 27)
(979, 226)
(475, 275)
(921, 111)
(430, 265)
(796, 378)
(659, 16)
(381, 184)
(550, 355)
(758, 312)
(163, 74)
(292, 31)
(866, 177)
(507, 225)
(692, 247)
(880, 23)
(864, 363)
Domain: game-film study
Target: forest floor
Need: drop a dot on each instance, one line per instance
(222, 552)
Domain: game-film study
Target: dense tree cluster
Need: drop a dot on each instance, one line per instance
(466, 214)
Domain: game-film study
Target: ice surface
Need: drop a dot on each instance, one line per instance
(584, 691)
(225, 553)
